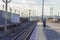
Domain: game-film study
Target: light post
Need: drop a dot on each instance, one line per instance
(6, 6)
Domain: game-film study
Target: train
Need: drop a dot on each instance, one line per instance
(11, 18)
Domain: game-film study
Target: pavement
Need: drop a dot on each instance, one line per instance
(52, 31)
(38, 33)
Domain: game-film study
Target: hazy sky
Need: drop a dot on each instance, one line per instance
(36, 5)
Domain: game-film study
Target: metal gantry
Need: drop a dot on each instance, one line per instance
(6, 6)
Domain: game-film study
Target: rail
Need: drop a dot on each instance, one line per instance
(15, 37)
(26, 33)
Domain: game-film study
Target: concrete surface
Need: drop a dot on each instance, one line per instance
(38, 33)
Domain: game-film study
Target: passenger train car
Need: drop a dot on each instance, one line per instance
(11, 18)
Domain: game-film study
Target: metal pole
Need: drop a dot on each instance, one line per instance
(15, 10)
(51, 11)
(6, 5)
(5, 16)
(58, 16)
(29, 14)
(10, 10)
(42, 9)
(33, 15)
(43, 19)
(3, 7)
(10, 13)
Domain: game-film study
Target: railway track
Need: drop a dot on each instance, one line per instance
(14, 31)
(25, 35)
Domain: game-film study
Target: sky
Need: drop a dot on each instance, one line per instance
(36, 5)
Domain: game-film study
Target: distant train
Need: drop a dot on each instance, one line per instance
(26, 19)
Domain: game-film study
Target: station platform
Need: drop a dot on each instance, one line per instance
(51, 32)
(38, 33)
